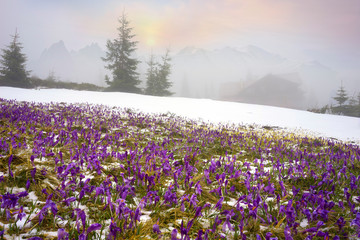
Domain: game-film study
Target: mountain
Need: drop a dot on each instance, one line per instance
(89, 65)
(223, 73)
(84, 65)
(54, 60)
(199, 73)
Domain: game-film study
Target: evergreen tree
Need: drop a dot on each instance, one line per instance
(158, 82)
(13, 70)
(151, 77)
(164, 74)
(341, 96)
(357, 106)
(121, 62)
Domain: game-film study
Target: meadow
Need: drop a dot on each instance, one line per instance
(85, 171)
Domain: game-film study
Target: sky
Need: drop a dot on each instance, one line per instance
(289, 27)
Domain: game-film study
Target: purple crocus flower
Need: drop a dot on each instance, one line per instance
(199, 235)
(268, 236)
(27, 186)
(9, 164)
(174, 234)
(93, 227)
(198, 188)
(217, 222)
(193, 200)
(33, 172)
(287, 233)
(219, 203)
(20, 213)
(356, 222)
(270, 189)
(82, 236)
(341, 223)
(113, 229)
(62, 234)
(69, 200)
(227, 224)
(156, 228)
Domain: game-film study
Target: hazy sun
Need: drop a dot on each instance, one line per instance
(148, 29)
(150, 41)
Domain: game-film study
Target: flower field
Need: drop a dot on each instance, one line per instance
(79, 171)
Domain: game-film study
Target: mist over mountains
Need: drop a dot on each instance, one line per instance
(249, 74)
(84, 65)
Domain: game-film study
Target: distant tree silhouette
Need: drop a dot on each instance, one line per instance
(158, 82)
(348, 106)
(151, 76)
(341, 96)
(121, 62)
(13, 70)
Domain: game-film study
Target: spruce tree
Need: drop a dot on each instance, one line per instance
(158, 82)
(164, 74)
(151, 77)
(121, 62)
(13, 70)
(341, 96)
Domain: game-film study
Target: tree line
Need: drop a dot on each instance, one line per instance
(344, 104)
(120, 60)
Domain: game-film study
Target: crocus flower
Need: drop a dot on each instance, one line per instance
(217, 222)
(219, 203)
(174, 234)
(27, 186)
(156, 228)
(9, 163)
(341, 223)
(113, 230)
(62, 234)
(227, 224)
(193, 200)
(33, 172)
(93, 227)
(20, 213)
(198, 188)
(287, 233)
(356, 222)
(269, 189)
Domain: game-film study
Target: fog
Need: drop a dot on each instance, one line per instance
(288, 54)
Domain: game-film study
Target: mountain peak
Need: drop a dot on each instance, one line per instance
(190, 50)
(92, 50)
(58, 45)
(56, 48)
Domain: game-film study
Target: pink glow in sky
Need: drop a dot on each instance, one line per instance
(289, 26)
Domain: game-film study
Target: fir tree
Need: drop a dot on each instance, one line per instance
(164, 74)
(121, 62)
(151, 77)
(13, 70)
(341, 96)
(158, 82)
